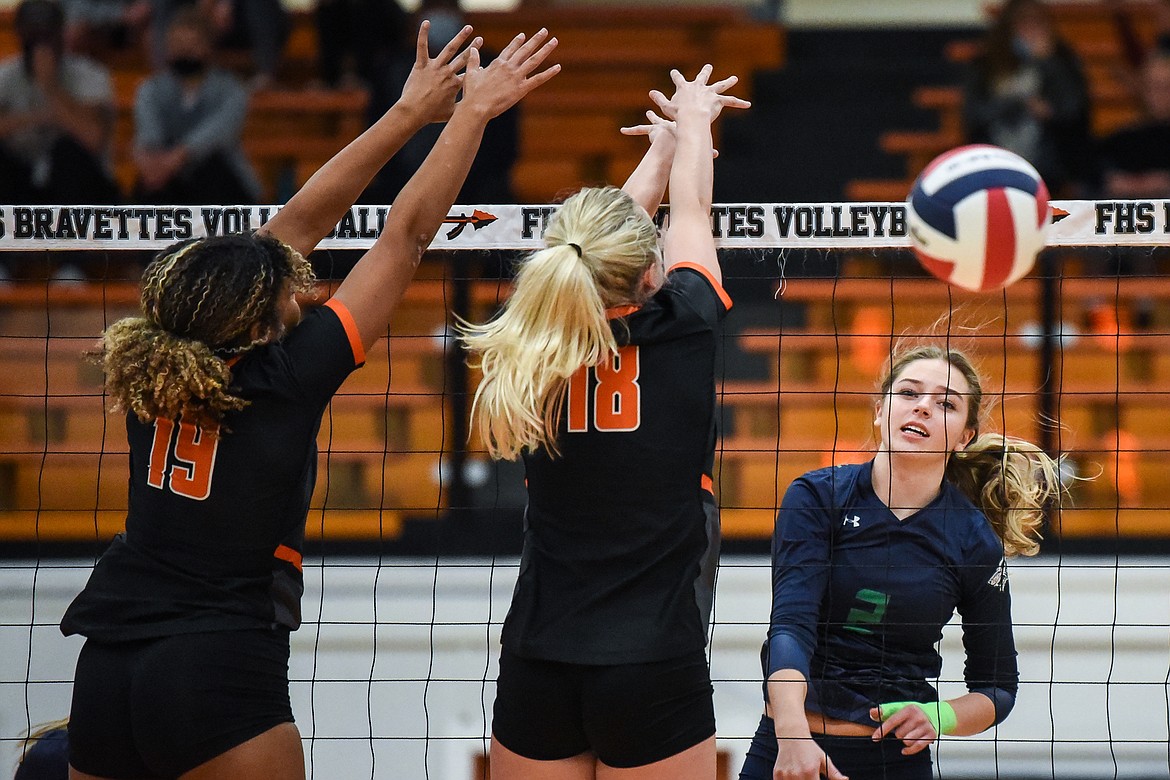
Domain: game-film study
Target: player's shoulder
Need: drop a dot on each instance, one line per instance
(693, 278)
(979, 537)
(832, 483)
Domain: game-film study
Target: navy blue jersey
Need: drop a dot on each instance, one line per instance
(860, 598)
(621, 531)
(216, 520)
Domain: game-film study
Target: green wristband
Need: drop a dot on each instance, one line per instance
(940, 714)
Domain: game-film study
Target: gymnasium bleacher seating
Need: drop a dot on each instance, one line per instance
(62, 456)
(1089, 27)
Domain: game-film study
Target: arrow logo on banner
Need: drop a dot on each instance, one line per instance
(1058, 214)
(477, 220)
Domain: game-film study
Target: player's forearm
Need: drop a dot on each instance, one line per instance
(647, 184)
(787, 690)
(423, 203)
(693, 171)
(974, 714)
(374, 287)
(316, 208)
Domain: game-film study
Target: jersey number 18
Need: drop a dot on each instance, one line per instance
(616, 400)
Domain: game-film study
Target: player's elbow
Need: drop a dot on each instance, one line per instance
(1002, 699)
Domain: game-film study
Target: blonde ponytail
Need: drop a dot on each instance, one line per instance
(1012, 481)
(600, 244)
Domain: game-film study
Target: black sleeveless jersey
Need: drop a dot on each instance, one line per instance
(621, 531)
(216, 519)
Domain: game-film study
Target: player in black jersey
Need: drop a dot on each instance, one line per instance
(870, 561)
(600, 371)
(187, 616)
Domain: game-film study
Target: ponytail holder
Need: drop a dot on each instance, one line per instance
(576, 248)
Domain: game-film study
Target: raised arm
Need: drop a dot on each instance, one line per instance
(428, 96)
(694, 106)
(374, 287)
(647, 184)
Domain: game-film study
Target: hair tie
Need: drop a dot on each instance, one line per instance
(576, 248)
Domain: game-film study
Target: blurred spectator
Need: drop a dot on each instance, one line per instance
(56, 117)
(490, 178)
(1133, 48)
(1028, 94)
(95, 26)
(357, 38)
(259, 26)
(188, 123)
(1135, 161)
(1134, 164)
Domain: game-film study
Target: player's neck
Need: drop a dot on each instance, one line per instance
(906, 482)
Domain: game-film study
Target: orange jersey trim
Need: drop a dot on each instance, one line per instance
(621, 311)
(351, 330)
(723, 296)
(707, 484)
(288, 554)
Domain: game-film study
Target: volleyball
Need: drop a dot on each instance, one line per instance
(977, 217)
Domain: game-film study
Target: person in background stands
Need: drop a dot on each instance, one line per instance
(56, 116)
(1027, 94)
(188, 126)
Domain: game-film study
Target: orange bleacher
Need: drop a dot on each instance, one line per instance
(1089, 27)
(816, 406)
(63, 457)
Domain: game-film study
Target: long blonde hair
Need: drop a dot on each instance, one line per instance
(201, 303)
(1010, 479)
(599, 245)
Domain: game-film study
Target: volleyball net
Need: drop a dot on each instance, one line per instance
(414, 534)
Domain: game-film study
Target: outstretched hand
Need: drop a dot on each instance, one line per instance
(657, 130)
(698, 95)
(433, 83)
(510, 76)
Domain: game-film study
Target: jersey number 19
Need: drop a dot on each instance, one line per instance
(191, 454)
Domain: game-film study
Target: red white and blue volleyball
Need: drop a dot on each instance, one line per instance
(978, 216)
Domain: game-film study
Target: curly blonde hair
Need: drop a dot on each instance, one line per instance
(203, 301)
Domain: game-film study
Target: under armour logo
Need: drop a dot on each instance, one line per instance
(854, 521)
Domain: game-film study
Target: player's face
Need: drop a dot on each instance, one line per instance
(926, 409)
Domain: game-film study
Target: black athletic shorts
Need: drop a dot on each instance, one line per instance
(858, 758)
(627, 715)
(161, 707)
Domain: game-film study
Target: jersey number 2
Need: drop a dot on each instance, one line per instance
(192, 456)
(616, 397)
